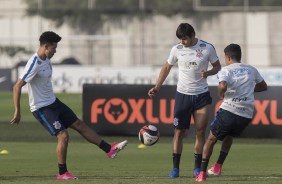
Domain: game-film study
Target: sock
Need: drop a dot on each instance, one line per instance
(204, 164)
(176, 160)
(198, 160)
(62, 168)
(222, 157)
(105, 146)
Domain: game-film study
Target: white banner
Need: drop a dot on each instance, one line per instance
(70, 78)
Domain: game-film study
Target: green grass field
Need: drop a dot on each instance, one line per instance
(35, 162)
(32, 157)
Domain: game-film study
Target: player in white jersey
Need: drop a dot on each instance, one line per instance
(237, 84)
(54, 115)
(192, 96)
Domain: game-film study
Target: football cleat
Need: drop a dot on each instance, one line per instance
(215, 169)
(196, 172)
(202, 177)
(66, 176)
(115, 148)
(174, 173)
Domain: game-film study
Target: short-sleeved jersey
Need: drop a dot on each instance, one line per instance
(191, 62)
(37, 74)
(241, 80)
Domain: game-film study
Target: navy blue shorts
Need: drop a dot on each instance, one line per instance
(185, 105)
(55, 117)
(227, 123)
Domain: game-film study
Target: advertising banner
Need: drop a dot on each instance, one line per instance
(124, 109)
(69, 78)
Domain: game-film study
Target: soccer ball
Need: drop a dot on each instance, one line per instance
(149, 135)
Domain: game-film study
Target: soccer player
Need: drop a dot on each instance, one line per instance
(54, 115)
(237, 84)
(192, 96)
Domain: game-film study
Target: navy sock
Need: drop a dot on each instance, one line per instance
(222, 157)
(198, 160)
(176, 160)
(62, 168)
(204, 164)
(105, 146)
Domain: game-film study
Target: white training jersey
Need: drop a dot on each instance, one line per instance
(191, 62)
(38, 73)
(241, 80)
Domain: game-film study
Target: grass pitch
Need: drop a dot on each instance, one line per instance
(250, 161)
(32, 156)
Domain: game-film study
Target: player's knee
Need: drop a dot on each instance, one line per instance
(179, 133)
(63, 136)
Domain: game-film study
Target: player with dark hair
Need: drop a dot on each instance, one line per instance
(192, 96)
(237, 84)
(54, 115)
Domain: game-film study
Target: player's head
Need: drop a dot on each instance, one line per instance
(49, 41)
(186, 33)
(233, 52)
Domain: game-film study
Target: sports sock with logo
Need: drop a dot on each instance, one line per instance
(204, 164)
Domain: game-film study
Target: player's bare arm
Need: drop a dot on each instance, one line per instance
(215, 68)
(162, 76)
(261, 86)
(17, 97)
(222, 87)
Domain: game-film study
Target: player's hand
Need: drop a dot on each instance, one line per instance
(204, 74)
(16, 119)
(152, 92)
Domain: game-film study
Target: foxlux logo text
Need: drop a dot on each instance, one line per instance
(117, 111)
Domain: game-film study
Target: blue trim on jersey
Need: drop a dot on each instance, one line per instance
(208, 43)
(46, 122)
(30, 68)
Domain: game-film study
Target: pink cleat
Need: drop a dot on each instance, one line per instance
(115, 148)
(66, 176)
(202, 177)
(215, 169)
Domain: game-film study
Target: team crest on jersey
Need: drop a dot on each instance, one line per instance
(179, 46)
(39, 62)
(57, 125)
(199, 53)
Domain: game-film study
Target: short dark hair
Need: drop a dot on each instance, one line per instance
(49, 37)
(233, 51)
(185, 29)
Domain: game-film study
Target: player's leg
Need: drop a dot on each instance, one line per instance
(49, 118)
(177, 146)
(62, 147)
(181, 122)
(207, 152)
(225, 147)
(201, 117)
(91, 136)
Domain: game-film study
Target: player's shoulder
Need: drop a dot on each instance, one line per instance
(34, 61)
(205, 44)
(178, 46)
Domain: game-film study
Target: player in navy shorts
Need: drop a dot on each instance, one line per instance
(55, 116)
(237, 84)
(193, 56)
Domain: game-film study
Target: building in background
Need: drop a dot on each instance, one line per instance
(144, 39)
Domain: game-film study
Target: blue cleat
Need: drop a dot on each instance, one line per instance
(196, 172)
(174, 173)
